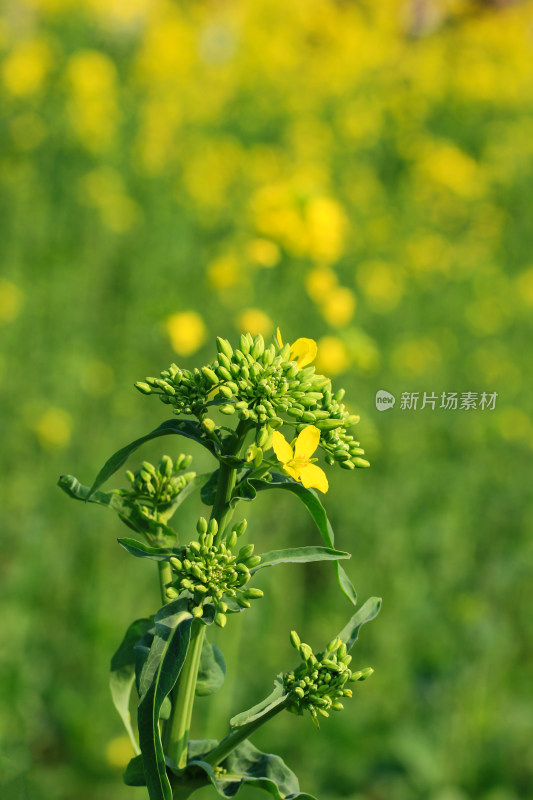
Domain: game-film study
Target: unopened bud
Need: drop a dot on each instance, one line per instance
(227, 409)
(211, 376)
(241, 527)
(253, 594)
(220, 619)
(232, 541)
(176, 563)
(360, 462)
(212, 528)
(223, 346)
(144, 388)
(201, 525)
(209, 424)
(253, 561)
(295, 640)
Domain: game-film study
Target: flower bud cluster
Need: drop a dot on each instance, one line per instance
(210, 571)
(266, 386)
(319, 683)
(156, 488)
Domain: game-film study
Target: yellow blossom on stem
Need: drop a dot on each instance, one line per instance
(303, 351)
(298, 462)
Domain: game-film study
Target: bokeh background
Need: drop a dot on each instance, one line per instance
(355, 171)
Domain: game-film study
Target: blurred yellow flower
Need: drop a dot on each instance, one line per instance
(104, 189)
(382, 285)
(224, 272)
(326, 223)
(255, 321)
(524, 287)
(319, 282)
(514, 424)
(338, 306)
(10, 300)
(187, 332)
(54, 428)
(25, 68)
(119, 751)
(298, 463)
(93, 102)
(303, 351)
(333, 356)
(450, 166)
(263, 252)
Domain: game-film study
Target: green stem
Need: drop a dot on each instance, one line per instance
(165, 577)
(222, 510)
(183, 699)
(238, 735)
(179, 724)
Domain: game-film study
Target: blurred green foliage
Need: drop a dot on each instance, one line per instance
(357, 172)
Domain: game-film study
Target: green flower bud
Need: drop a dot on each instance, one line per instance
(329, 424)
(232, 541)
(226, 392)
(295, 412)
(130, 476)
(195, 546)
(305, 651)
(227, 409)
(351, 420)
(197, 611)
(224, 373)
(360, 462)
(211, 376)
(300, 692)
(253, 594)
(258, 459)
(209, 424)
(347, 465)
(308, 416)
(253, 561)
(243, 602)
(295, 640)
(245, 552)
(258, 346)
(171, 593)
(176, 563)
(212, 528)
(241, 527)
(224, 347)
(220, 619)
(143, 387)
(201, 525)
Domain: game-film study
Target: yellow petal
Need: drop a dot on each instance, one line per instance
(294, 472)
(278, 337)
(314, 477)
(304, 351)
(307, 442)
(282, 448)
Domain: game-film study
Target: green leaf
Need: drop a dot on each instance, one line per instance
(158, 677)
(128, 512)
(122, 675)
(312, 502)
(299, 555)
(188, 428)
(212, 670)
(368, 611)
(134, 773)
(141, 550)
(274, 699)
(248, 765)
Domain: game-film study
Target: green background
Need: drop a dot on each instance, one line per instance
(358, 173)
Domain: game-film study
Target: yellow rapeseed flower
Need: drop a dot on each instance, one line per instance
(255, 321)
(186, 331)
(298, 462)
(303, 351)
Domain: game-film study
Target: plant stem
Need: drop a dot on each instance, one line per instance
(183, 700)
(222, 510)
(165, 576)
(238, 735)
(179, 724)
